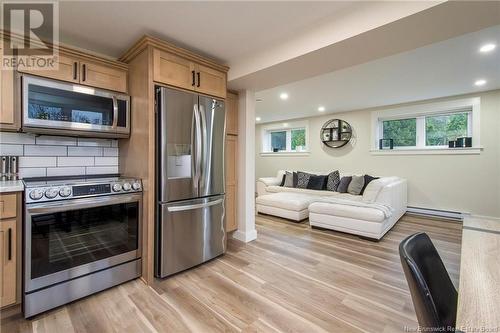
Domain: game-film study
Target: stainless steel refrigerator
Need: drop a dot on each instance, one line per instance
(190, 180)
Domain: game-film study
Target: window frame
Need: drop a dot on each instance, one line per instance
(288, 128)
(471, 106)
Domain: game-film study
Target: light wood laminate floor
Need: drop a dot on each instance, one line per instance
(291, 279)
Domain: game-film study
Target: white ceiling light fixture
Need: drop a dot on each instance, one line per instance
(487, 48)
(321, 109)
(480, 82)
(285, 124)
(258, 119)
(284, 96)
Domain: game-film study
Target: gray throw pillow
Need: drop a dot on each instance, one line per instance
(302, 179)
(333, 181)
(288, 179)
(344, 184)
(356, 185)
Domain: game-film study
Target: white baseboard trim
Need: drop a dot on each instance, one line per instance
(483, 217)
(446, 214)
(246, 237)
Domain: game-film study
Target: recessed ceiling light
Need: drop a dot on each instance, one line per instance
(321, 109)
(258, 100)
(487, 48)
(284, 96)
(480, 82)
(285, 124)
(257, 119)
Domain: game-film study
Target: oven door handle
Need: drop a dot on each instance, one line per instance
(47, 208)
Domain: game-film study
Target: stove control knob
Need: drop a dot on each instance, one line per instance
(36, 194)
(65, 191)
(127, 186)
(117, 187)
(51, 193)
(136, 186)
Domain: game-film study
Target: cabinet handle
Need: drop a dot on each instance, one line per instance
(199, 79)
(9, 237)
(84, 72)
(75, 69)
(193, 82)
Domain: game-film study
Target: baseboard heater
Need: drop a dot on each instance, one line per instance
(446, 214)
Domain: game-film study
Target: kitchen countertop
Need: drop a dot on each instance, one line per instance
(11, 186)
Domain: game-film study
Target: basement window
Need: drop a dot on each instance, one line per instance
(285, 138)
(427, 127)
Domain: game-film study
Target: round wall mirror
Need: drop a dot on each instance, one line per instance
(336, 133)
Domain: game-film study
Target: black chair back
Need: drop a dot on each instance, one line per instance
(433, 294)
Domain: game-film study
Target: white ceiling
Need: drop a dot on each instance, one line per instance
(223, 30)
(442, 69)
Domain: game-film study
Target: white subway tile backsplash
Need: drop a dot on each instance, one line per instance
(38, 161)
(85, 151)
(102, 170)
(40, 150)
(90, 142)
(17, 138)
(8, 149)
(66, 171)
(55, 140)
(32, 172)
(110, 151)
(75, 161)
(48, 155)
(106, 161)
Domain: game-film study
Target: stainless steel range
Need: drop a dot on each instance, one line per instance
(81, 236)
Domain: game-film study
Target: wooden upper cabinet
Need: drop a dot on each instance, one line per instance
(67, 70)
(232, 114)
(173, 70)
(210, 81)
(101, 76)
(9, 119)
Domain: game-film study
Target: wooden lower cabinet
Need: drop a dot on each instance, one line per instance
(8, 257)
(231, 182)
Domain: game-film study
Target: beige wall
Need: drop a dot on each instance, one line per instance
(464, 183)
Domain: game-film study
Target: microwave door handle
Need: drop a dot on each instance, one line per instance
(115, 112)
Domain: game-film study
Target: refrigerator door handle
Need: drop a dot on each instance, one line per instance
(198, 143)
(194, 206)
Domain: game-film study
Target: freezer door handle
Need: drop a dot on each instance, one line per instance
(194, 206)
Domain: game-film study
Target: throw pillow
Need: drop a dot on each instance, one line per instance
(295, 179)
(283, 180)
(288, 179)
(368, 179)
(302, 179)
(333, 181)
(344, 184)
(356, 185)
(317, 182)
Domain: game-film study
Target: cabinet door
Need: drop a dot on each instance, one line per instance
(231, 182)
(173, 70)
(232, 114)
(8, 118)
(210, 81)
(8, 205)
(102, 76)
(67, 70)
(8, 262)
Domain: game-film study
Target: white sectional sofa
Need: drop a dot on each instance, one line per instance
(369, 215)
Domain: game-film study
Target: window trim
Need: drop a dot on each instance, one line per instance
(280, 127)
(420, 111)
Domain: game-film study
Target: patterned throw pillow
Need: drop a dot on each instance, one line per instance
(333, 181)
(288, 179)
(302, 179)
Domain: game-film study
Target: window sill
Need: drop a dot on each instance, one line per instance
(428, 151)
(285, 153)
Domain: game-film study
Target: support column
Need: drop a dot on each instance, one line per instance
(246, 167)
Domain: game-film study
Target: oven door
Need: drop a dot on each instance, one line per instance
(68, 239)
(68, 107)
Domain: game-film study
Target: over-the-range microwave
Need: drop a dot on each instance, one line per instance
(62, 108)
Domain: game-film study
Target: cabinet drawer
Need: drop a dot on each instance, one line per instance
(8, 205)
(173, 70)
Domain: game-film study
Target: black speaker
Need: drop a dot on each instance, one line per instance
(460, 143)
(468, 141)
